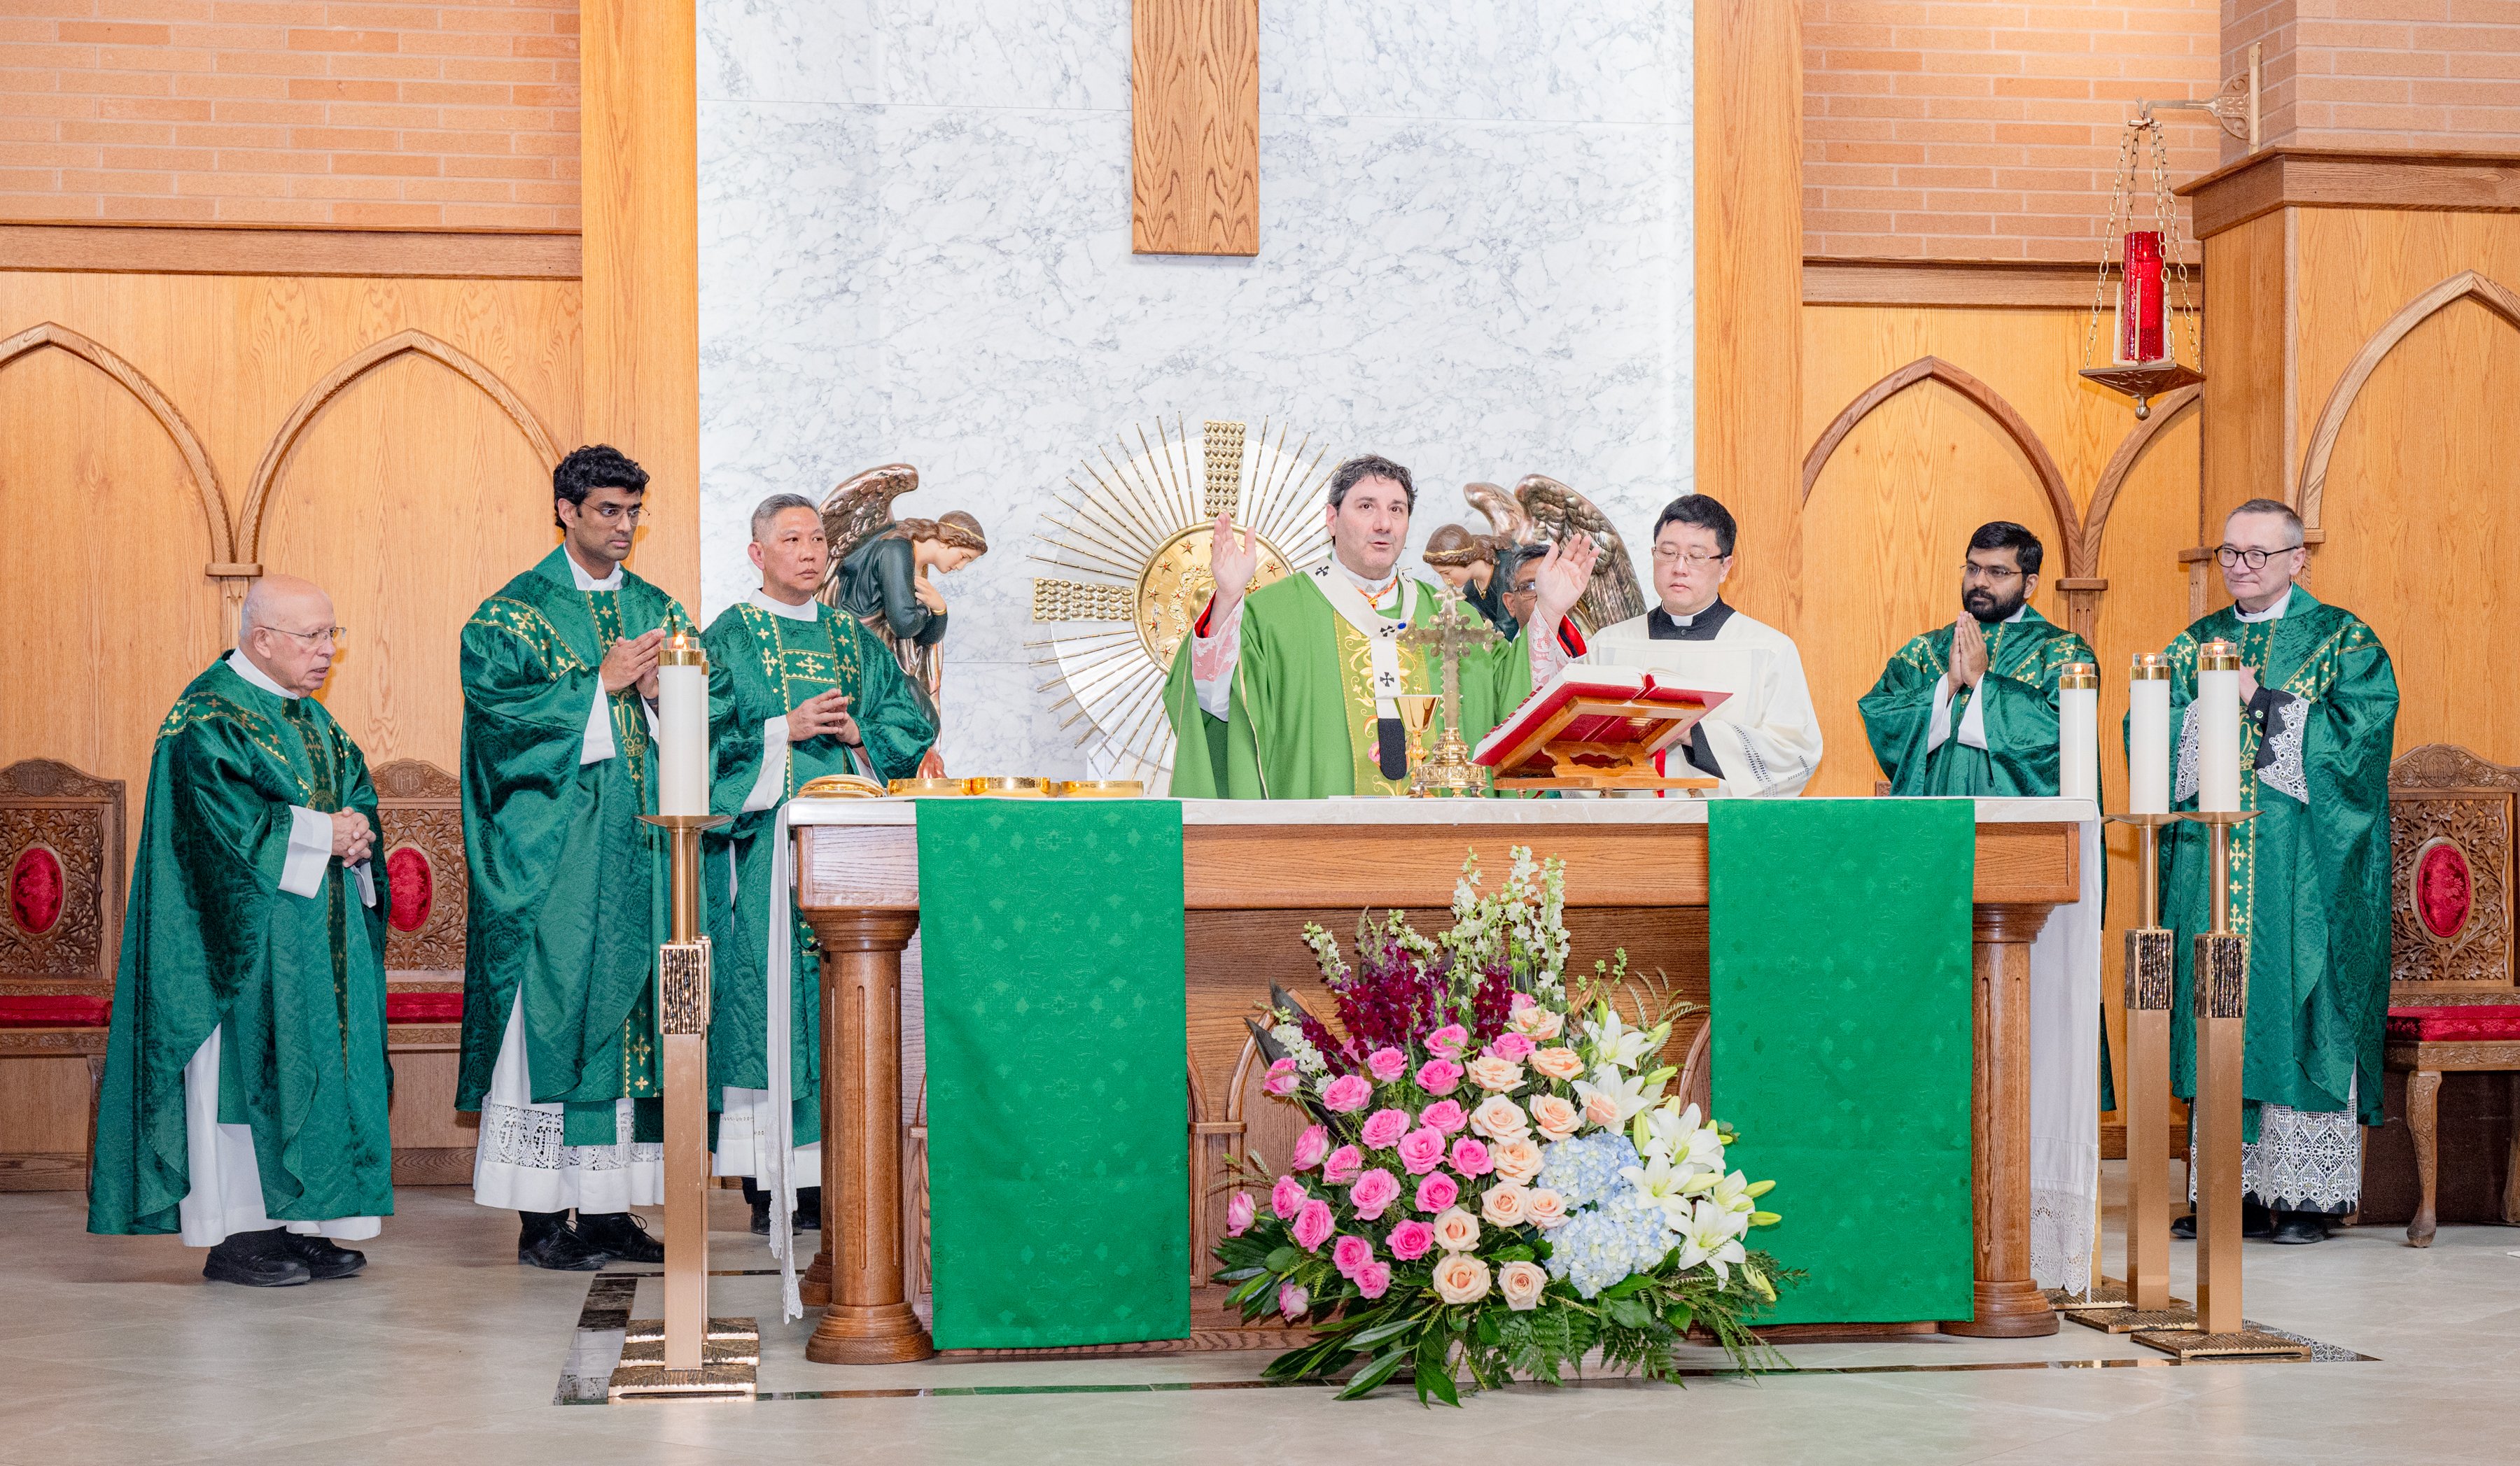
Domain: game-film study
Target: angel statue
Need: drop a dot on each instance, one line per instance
(884, 570)
(1467, 562)
(1542, 511)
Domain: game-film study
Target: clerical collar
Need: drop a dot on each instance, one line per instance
(1375, 590)
(586, 581)
(777, 607)
(2273, 612)
(242, 666)
(1698, 626)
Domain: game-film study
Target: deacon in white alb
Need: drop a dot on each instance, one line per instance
(1762, 740)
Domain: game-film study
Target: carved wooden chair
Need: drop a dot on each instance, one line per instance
(63, 862)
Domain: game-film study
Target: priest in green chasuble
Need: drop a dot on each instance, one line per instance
(1286, 691)
(796, 690)
(244, 1101)
(568, 888)
(1970, 708)
(2309, 875)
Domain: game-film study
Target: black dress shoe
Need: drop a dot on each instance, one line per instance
(255, 1259)
(2298, 1228)
(622, 1234)
(809, 1209)
(560, 1250)
(322, 1257)
(2254, 1223)
(761, 1214)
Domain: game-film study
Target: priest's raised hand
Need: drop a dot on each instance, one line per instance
(244, 1102)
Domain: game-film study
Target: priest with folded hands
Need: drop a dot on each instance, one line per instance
(244, 1102)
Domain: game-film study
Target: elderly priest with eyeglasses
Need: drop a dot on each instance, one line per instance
(244, 1102)
(2309, 875)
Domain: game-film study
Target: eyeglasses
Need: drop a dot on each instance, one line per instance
(332, 634)
(2256, 559)
(1971, 570)
(613, 513)
(1664, 556)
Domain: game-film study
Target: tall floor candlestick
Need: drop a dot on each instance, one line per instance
(2078, 731)
(2148, 736)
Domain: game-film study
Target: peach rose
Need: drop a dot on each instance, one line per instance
(1505, 1205)
(1516, 1160)
(1491, 1073)
(1545, 1209)
(1499, 1119)
(1537, 1022)
(1560, 1064)
(1521, 1283)
(1555, 1116)
(1455, 1230)
(1462, 1278)
(1601, 1109)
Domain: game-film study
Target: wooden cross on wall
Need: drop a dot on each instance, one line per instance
(1194, 126)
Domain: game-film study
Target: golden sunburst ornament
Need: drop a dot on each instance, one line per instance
(1130, 545)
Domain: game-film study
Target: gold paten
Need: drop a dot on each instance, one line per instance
(929, 788)
(841, 787)
(1100, 788)
(1009, 787)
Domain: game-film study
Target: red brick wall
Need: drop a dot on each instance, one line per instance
(2417, 74)
(1971, 129)
(461, 114)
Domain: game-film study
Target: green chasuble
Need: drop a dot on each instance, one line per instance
(295, 984)
(1301, 722)
(2310, 875)
(568, 888)
(761, 666)
(2015, 703)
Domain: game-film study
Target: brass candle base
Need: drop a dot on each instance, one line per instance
(2136, 1320)
(1447, 772)
(708, 1382)
(682, 1365)
(2190, 1347)
(2151, 968)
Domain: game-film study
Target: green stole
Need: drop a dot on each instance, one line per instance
(568, 889)
(761, 666)
(2024, 659)
(295, 985)
(1302, 719)
(2309, 883)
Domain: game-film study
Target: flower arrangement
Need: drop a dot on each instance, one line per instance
(1492, 1183)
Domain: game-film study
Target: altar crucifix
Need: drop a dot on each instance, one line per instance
(1449, 769)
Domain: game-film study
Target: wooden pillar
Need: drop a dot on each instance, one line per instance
(2010, 1305)
(860, 1271)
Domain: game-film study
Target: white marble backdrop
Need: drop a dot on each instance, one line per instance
(1475, 256)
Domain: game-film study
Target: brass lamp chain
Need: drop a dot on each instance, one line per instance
(2165, 217)
(2111, 240)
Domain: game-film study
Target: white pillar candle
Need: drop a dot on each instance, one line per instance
(2148, 736)
(682, 727)
(2218, 727)
(2078, 731)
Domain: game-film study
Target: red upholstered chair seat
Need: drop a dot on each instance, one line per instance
(2480, 1023)
(424, 1007)
(55, 1010)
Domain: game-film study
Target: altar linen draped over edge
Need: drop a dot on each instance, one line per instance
(568, 896)
(244, 1084)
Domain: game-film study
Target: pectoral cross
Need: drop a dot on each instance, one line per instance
(1448, 637)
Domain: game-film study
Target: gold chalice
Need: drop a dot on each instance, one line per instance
(1417, 715)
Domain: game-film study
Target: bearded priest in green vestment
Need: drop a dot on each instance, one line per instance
(2309, 875)
(796, 690)
(244, 1102)
(1970, 708)
(568, 888)
(1286, 691)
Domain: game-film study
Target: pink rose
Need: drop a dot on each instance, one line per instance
(1313, 1225)
(1462, 1278)
(1560, 1064)
(1521, 1283)
(1346, 1094)
(1436, 1192)
(1472, 1158)
(1512, 1046)
(1384, 1127)
(1421, 1150)
(1343, 1165)
(1350, 1253)
(1372, 1192)
(1520, 1001)
(1239, 1214)
(1373, 1279)
(1516, 1160)
(1292, 1300)
(1446, 1115)
(1489, 1072)
(1386, 1064)
(1310, 1146)
(1555, 1116)
(1282, 1079)
(1537, 1022)
(1503, 1204)
(1288, 1197)
(1455, 1230)
(1410, 1241)
(1439, 1076)
(1545, 1209)
(1449, 1041)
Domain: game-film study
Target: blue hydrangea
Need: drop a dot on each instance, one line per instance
(1586, 1169)
(1621, 1234)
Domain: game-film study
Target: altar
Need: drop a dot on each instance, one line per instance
(1254, 873)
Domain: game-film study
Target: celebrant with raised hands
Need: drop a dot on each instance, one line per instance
(796, 690)
(1971, 708)
(2309, 875)
(1764, 739)
(568, 888)
(1286, 691)
(244, 1101)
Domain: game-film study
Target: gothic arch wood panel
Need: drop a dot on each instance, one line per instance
(196, 461)
(2130, 450)
(275, 455)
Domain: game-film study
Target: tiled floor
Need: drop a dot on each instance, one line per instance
(446, 1350)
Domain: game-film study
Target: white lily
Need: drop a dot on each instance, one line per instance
(1681, 1134)
(1666, 1187)
(1627, 1093)
(1617, 1045)
(1732, 1194)
(1709, 1238)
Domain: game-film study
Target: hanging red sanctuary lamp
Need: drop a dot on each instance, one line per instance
(2151, 268)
